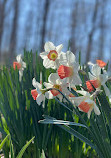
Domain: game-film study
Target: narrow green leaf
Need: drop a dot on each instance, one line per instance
(24, 148)
(80, 59)
(11, 149)
(51, 120)
(4, 141)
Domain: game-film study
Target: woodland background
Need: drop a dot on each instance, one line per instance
(30, 23)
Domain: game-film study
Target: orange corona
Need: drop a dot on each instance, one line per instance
(101, 63)
(65, 71)
(84, 106)
(34, 94)
(95, 83)
(16, 64)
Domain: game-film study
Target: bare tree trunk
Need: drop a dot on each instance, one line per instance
(73, 26)
(51, 20)
(13, 39)
(102, 30)
(45, 16)
(2, 18)
(90, 36)
(28, 29)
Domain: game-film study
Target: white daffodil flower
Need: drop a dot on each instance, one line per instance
(38, 93)
(97, 79)
(20, 64)
(69, 69)
(100, 63)
(55, 82)
(86, 104)
(51, 55)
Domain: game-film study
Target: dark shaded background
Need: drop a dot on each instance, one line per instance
(30, 23)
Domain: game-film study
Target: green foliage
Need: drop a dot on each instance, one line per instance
(11, 153)
(20, 115)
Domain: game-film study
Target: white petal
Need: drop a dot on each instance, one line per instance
(84, 93)
(89, 112)
(110, 98)
(58, 81)
(70, 57)
(43, 55)
(48, 63)
(64, 81)
(48, 85)
(89, 101)
(53, 77)
(36, 84)
(49, 46)
(106, 90)
(96, 70)
(49, 95)
(54, 65)
(63, 59)
(76, 80)
(59, 48)
(20, 75)
(91, 77)
(43, 104)
(78, 100)
(19, 58)
(23, 64)
(57, 63)
(40, 98)
(60, 97)
(103, 78)
(65, 90)
(96, 110)
(90, 63)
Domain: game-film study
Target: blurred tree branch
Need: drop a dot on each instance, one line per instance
(13, 39)
(45, 16)
(92, 31)
(2, 18)
(74, 26)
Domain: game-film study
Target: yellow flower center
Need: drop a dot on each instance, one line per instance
(43, 91)
(52, 55)
(57, 86)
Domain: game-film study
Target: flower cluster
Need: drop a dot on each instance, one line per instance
(67, 78)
